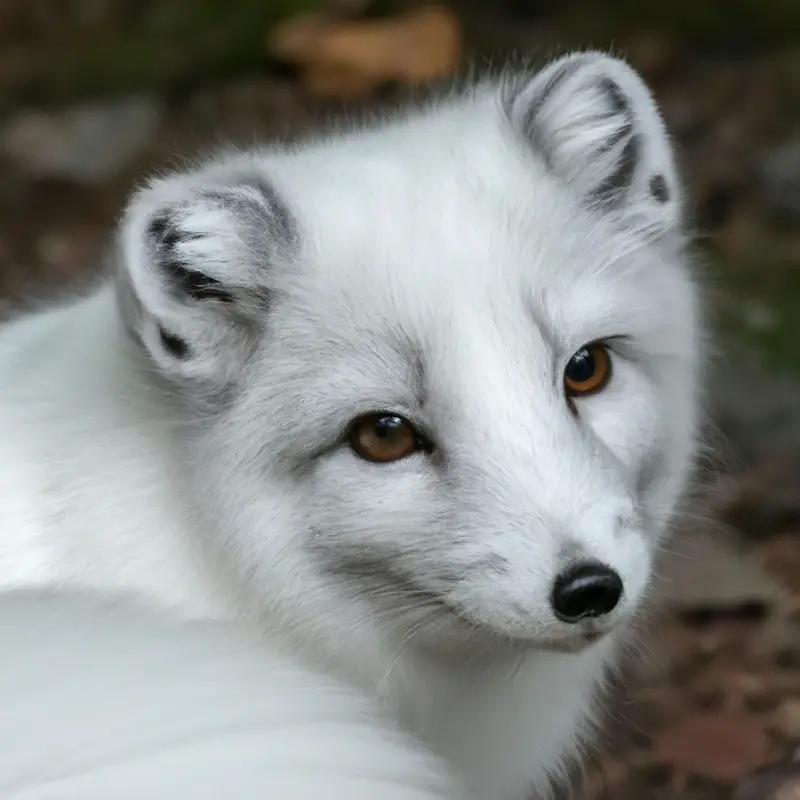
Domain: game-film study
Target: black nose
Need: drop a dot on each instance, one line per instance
(589, 589)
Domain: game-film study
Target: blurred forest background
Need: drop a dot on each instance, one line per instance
(96, 93)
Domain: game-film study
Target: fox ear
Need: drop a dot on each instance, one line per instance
(595, 124)
(197, 255)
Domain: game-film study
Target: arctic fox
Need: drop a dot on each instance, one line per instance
(417, 398)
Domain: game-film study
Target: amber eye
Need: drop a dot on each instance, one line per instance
(384, 437)
(587, 371)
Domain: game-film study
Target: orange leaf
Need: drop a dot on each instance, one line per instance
(339, 57)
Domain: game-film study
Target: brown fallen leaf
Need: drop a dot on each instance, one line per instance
(723, 746)
(351, 58)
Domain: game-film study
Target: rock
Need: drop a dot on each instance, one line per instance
(708, 568)
(779, 178)
(89, 143)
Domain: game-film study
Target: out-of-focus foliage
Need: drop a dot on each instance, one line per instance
(60, 49)
(55, 50)
(713, 22)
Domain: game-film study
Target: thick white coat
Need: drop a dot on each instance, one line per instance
(103, 700)
(443, 264)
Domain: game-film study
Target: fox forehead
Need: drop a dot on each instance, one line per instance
(552, 274)
(472, 220)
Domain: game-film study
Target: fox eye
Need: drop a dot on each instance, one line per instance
(588, 371)
(382, 437)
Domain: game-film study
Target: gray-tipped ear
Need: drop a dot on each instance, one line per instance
(595, 124)
(197, 251)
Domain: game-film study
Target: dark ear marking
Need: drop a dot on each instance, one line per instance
(619, 102)
(621, 178)
(166, 236)
(281, 222)
(199, 286)
(529, 120)
(174, 344)
(623, 175)
(625, 132)
(162, 232)
(620, 107)
(264, 224)
(659, 189)
(561, 74)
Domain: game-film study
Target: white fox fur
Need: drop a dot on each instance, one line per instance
(180, 432)
(102, 700)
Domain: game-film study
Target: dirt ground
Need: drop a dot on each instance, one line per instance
(715, 691)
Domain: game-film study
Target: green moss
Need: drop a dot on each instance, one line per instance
(162, 44)
(773, 287)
